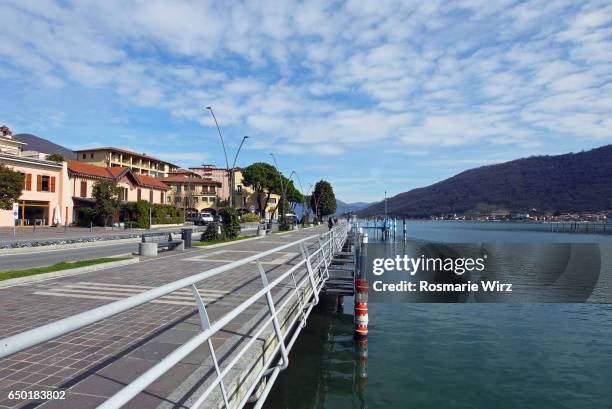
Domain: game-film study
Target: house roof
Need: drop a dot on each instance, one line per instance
(85, 169)
(119, 150)
(151, 182)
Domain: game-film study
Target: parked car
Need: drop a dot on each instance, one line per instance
(204, 218)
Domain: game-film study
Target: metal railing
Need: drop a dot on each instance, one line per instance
(304, 294)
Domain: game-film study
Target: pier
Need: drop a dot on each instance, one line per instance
(581, 227)
(166, 332)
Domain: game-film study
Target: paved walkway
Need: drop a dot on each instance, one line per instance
(95, 362)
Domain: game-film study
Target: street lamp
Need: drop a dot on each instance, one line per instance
(231, 171)
(222, 142)
(302, 192)
(244, 138)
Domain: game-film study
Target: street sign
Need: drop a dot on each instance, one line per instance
(15, 211)
(252, 208)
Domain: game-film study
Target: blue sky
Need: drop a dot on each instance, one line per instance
(370, 95)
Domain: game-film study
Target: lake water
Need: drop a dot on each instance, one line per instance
(466, 354)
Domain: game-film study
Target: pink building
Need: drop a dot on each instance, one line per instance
(134, 187)
(45, 198)
(220, 175)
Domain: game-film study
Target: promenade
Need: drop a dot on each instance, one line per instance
(93, 363)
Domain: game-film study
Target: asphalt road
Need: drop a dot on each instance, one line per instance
(48, 256)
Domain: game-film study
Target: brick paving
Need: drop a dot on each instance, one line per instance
(94, 362)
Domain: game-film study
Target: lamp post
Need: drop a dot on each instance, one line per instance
(302, 192)
(222, 144)
(233, 182)
(280, 176)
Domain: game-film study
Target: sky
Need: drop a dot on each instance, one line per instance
(369, 95)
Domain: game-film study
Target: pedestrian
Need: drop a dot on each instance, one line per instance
(330, 223)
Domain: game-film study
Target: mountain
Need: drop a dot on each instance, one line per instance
(343, 207)
(36, 143)
(574, 182)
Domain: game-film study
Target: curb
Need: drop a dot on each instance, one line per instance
(12, 282)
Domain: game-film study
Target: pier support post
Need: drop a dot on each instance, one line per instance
(361, 292)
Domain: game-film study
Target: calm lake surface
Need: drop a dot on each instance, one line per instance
(460, 355)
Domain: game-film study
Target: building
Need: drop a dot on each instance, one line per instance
(139, 163)
(134, 187)
(45, 198)
(191, 192)
(245, 198)
(220, 175)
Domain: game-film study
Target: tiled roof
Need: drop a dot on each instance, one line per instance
(112, 149)
(86, 169)
(152, 182)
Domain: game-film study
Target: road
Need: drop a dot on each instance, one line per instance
(47, 255)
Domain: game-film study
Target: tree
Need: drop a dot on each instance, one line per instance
(263, 179)
(56, 157)
(323, 199)
(230, 222)
(106, 194)
(11, 185)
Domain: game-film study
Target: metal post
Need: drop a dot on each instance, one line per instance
(206, 325)
(277, 327)
(310, 272)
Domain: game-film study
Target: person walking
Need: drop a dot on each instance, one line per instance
(330, 223)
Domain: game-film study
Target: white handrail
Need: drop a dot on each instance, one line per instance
(329, 243)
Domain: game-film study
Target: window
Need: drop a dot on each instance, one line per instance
(84, 156)
(151, 196)
(45, 183)
(139, 195)
(123, 194)
(83, 188)
(91, 155)
(161, 200)
(272, 200)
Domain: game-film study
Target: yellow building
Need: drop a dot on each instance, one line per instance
(140, 163)
(192, 193)
(245, 198)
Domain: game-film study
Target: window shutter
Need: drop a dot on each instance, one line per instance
(52, 184)
(28, 184)
(83, 188)
(151, 196)
(39, 183)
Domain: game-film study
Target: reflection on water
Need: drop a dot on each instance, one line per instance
(455, 355)
(468, 355)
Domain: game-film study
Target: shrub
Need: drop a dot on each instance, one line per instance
(250, 217)
(136, 214)
(231, 224)
(85, 216)
(212, 232)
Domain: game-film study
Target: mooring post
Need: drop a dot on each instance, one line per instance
(404, 230)
(361, 292)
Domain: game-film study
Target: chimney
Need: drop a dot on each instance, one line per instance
(6, 132)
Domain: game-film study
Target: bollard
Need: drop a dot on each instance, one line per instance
(404, 229)
(361, 293)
